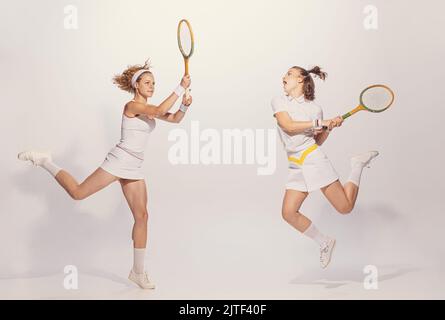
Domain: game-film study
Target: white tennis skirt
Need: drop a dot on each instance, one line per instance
(123, 164)
(315, 171)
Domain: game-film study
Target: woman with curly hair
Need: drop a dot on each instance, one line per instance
(124, 161)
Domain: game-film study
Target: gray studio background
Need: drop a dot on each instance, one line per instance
(216, 231)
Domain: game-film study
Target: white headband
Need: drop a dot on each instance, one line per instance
(137, 75)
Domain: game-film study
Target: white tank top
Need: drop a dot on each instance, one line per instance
(134, 134)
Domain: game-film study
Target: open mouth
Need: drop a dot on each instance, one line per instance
(284, 82)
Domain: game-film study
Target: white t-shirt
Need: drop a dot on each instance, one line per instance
(298, 109)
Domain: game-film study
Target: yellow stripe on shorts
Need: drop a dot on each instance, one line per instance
(305, 153)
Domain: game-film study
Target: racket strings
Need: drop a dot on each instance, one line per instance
(185, 40)
(377, 98)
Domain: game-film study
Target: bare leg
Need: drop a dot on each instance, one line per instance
(291, 206)
(135, 193)
(292, 202)
(351, 192)
(98, 180)
(342, 198)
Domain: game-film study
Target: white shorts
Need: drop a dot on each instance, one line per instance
(316, 172)
(122, 164)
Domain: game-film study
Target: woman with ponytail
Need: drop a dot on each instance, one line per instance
(124, 161)
(300, 124)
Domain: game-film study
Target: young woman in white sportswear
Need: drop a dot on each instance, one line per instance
(124, 162)
(300, 124)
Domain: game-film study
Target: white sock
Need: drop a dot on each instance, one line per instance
(51, 167)
(138, 260)
(313, 233)
(356, 173)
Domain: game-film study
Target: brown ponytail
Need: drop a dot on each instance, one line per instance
(308, 81)
(123, 81)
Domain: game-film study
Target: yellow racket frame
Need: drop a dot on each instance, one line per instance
(184, 54)
(362, 106)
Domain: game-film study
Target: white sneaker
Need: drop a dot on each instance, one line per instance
(37, 158)
(141, 280)
(326, 251)
(364, 158)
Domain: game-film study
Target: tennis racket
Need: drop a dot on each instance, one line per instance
(376, 98)
(186, 45)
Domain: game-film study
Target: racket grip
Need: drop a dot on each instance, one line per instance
(187, 93)
(186, 65)
(346, 115)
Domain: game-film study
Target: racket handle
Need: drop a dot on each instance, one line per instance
(186, 66)
(186, 73)
(355, 110)
(346, 115)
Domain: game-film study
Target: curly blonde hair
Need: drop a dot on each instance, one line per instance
(123, 80)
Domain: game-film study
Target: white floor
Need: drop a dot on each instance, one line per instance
(216, 245)
(394, 282)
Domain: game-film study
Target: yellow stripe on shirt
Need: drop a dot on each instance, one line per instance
(303, 156)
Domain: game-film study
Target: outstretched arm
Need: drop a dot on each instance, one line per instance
(292, 127)
(178, 115)
(156, 111)
(171, 99)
